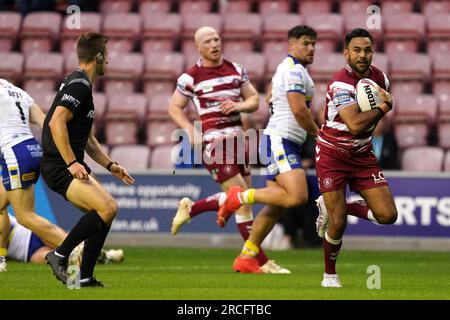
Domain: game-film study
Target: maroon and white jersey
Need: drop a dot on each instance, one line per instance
(341, 94)
(208, 87)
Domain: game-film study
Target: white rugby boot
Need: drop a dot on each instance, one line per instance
(331, 281)
(3, 264)
(182, 216)
(322, 219)
(271, 267)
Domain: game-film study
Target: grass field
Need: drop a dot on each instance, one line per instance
(194, 274)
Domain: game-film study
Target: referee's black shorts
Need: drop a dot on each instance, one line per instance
(57, 176)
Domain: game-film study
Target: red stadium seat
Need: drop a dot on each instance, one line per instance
(274, 54)
(43, 71)
(270, 7)
(100, 104)
(325, 65)
(275, 28)
(158, 107)
(381, 61)
(89, 21)
(153, 7)
(422, 108)
(127, 106)
(443, 132)
(235, 6)
(240, 31)
(313, 7)
(254, 63)
(121, 132)
(124, 72)
(438, 48)
(95, 167)
(349, 8)
(444, 106)
(411, 134)
(123, 31)
(359, 20)
(44, 99)
(194, 6)
(441, 75)
(160, 32)
(161, 71)
(431, 7)
(261, 116)
(139, 160)
(443, 128)
(160, 132)
(412, 70)
(393, 7)
(161, 158)
(40, 31)
(447, 161)
(193, 21)
(428, 159)
(115, 6)
(11, 66)
(329, 27)
(403, 32)
(9, 29)
(438, 34)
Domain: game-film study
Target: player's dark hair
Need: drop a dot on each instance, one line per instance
(357, 33)
(302, 30)
(89, 44)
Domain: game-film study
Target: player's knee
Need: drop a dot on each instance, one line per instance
(295, 200)
(387, 218)
(110, 209)
(337, 221)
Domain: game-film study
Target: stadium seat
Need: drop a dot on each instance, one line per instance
(447, 161)
(153, 7)
(261, 116)
(115, 6)
(95, 167)
(381, 61)
(89, 21)
(160, 32)
(9, 30)
(127, 106)
(359, 20)
(403, 32)
(432, 7)
(235, 6)
(123, 31)
(44, 99)
(394, 7)
(254, 63)
(139, 160)
(274, 54)
(313, 7)
(194, 6)
(270, 7)
(158, 107)
(444, 106)
(411, 69)
(350, 8)
(411, 108)
(40, 31)
(325, 65)
(443, 133)
(100, 104)
(124, 72)
(161, 71)
(240, 31)
(429, 159)
(438, 48)
(191, 22)
(275, 26)
(441, 75)
(11, 66)
(411, 134)
(160, 132)
(161, 158)
(121, 132)
(43, 71)
(329, 27)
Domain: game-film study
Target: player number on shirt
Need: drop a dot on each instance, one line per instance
(22, 115)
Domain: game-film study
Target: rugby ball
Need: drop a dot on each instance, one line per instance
(367, 94)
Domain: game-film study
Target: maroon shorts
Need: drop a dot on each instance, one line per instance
(335, 169)
(226, 158)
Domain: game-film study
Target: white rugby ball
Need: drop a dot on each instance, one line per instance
(367, 94)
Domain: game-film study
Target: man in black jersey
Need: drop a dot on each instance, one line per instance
(66, 135)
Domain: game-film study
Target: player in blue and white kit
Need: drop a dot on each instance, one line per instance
(20, 161)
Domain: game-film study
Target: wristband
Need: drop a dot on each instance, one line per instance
(71, 163)
(108, 167)
(389, 104)
(380, 110)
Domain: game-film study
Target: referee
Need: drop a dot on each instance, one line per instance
(66, 135)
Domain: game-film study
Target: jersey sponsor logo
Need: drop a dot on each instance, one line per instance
(341, 97)
(296, 85)
(272, 169)
(28, 176)
(327, 183)
(14, 94)
(207, 88)
(71, 99)
(91, 114)
(380, 178)
(297, 74)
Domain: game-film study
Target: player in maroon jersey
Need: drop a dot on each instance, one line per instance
(344, 153)
(220, 90)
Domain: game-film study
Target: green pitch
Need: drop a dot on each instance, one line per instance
(191, 274)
